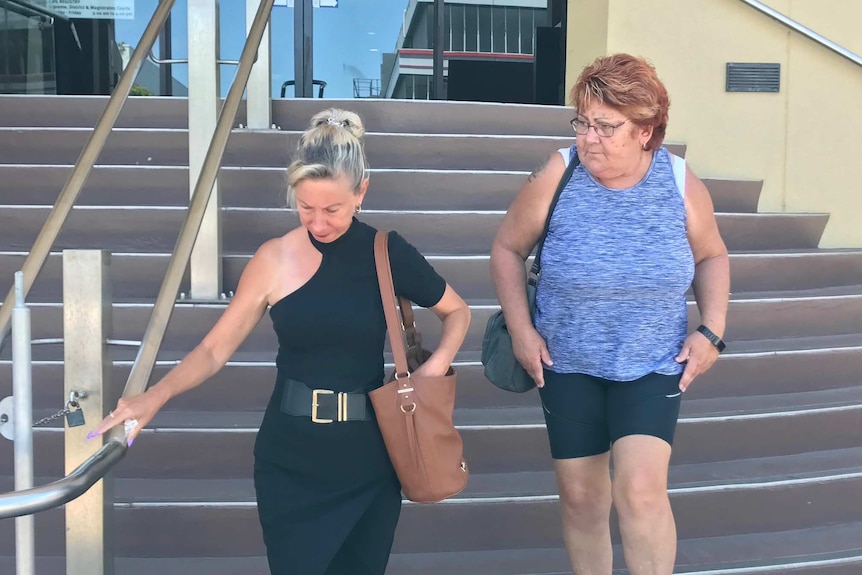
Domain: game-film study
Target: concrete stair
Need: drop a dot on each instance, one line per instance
(766, 475)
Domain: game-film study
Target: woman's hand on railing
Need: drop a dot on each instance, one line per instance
(138, 410)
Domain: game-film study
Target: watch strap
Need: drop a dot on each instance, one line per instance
(714, 339)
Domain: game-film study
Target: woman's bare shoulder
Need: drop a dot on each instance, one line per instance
(281, 248)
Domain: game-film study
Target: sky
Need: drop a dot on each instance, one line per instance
(349, 40)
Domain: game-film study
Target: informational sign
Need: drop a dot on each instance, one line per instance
(102, 9)
(315, 3)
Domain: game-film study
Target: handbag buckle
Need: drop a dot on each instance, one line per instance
(342, 405)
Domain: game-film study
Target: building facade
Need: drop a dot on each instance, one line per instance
(477, 36)
(352, 48)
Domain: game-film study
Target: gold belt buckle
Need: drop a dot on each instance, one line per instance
(342, 405)
(315, 393)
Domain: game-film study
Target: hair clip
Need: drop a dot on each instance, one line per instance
(334, 122)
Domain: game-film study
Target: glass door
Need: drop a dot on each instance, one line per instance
(493, 50)
(354, 42)
(27, 60)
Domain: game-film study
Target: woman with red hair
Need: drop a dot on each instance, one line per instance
(608, 343)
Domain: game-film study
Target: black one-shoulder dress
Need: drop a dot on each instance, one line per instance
(328, 498)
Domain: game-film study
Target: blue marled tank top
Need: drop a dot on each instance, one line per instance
(616, 265)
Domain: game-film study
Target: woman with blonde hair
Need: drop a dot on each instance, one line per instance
(328, 497)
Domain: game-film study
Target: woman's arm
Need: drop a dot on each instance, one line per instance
(240, 317)
(519, 233)
(711, 283)
(454, 313)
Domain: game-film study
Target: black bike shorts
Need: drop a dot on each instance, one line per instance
(586, 414)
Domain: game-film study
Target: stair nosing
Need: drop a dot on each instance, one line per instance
(818, 253)
(528, 425)
(778, 568)
(234, 130)
(276, 169)
(88, 207)
(730, 355)
(489, 306)
(729, 487)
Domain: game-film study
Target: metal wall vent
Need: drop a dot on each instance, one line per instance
(753, 77)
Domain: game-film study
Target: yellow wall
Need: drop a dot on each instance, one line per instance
(803, 142)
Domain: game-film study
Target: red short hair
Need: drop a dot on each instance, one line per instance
(627, 84)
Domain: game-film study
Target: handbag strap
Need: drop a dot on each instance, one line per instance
(536, 268)
(411, 333)
(387, 294)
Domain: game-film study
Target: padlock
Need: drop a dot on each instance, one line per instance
(75, 417)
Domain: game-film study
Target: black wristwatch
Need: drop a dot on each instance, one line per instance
(716, 341)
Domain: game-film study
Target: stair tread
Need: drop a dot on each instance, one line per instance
(691, 481)
(835, 543)
(805, 345)
(160, 565)
(790, 344)
(844, 290)
(755, 405)
(742, 473)
(810, 344)
(695, 408)
(800, 252)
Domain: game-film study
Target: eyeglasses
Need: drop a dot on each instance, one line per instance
(582, 127)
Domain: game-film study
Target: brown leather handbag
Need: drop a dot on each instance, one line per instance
(415, 413)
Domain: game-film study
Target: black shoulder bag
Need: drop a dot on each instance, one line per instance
(501, 367)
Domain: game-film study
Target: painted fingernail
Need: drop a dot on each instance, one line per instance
(92, 435)
(131, 441)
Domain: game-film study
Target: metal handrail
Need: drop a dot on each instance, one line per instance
(805, 31)
(35, 9)
(74, 184)
(29, 501)
(84, 476)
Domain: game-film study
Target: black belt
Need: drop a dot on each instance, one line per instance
(324, 405)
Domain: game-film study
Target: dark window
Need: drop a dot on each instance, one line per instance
(421, 87)
(447, 27)
(513, 42)
(429, 28)
(499, 28)
(484, 28)
(471, 28)
(403, 87)
(540, 17)
(527, 30)
(418, 37)
(458, 28)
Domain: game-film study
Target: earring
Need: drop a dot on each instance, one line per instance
(358, 209)
(644, 146)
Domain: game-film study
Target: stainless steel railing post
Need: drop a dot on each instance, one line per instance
(22, 391)
(259, 92)
(205, 265)
(87, 368)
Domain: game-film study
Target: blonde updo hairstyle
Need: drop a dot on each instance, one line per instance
(332, 146)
